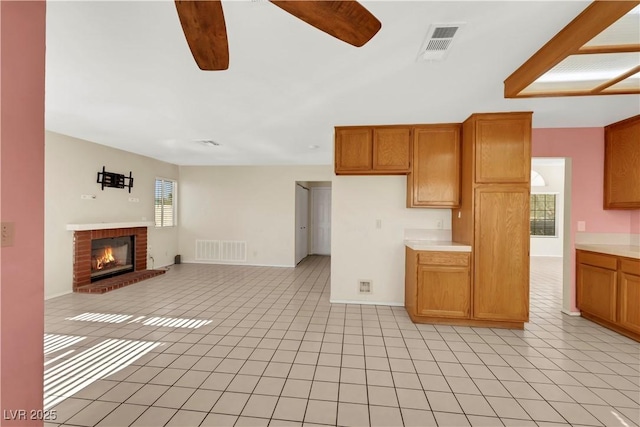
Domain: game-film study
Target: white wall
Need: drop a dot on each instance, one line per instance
(255, 204)
(359, 250)
(552, 170)
(71, 166)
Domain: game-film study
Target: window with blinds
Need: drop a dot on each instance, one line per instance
(543, 215)
(165, 203)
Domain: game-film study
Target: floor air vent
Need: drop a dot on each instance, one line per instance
(364, 286)
(221, 250)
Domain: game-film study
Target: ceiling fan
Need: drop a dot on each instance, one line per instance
(204, 27)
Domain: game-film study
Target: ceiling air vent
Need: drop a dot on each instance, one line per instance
(438, 41)
(209, 142)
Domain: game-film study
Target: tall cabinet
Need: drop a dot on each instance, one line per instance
(494, 214)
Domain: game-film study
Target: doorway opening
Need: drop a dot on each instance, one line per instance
(550, 230)
(312, 219)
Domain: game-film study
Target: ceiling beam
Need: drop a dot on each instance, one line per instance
(618, 79)
(618, 48)
(598, 16)
(579, 93)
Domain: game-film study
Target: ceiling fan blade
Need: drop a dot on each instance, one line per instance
(203, 26)
(346, 20)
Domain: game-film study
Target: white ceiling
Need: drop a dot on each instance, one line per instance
(121, 74)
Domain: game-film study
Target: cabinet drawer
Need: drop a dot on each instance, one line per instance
(444, 258)
(631, 266)
(597, 260)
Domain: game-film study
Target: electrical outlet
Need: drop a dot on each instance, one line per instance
(582, 225)
(7, 233)
(439, 224)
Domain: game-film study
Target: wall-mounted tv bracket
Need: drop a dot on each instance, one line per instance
(115, 180)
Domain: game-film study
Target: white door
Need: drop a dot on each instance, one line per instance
(321, 220)
(302, 223)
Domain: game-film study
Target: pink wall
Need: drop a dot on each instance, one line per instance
(22, 46)
(635, 222)
(585, 147)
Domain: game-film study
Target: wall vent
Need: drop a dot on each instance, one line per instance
(221, 250)
(438, 41)
(364, 286)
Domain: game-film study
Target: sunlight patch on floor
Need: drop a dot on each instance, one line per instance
(101, 317)
(54, 342)
(70, 376)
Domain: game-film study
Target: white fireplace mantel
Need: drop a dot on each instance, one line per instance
(108, 225)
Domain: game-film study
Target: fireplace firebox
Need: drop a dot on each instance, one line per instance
(112, 256)
(85, 259)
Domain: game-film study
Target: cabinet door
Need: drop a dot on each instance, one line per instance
(629, 306)
(443, 292)
(503, 148)
(501, 273)
(391, 149)
(353, 150)
(596, 291)
(622, 165)
(435, 178)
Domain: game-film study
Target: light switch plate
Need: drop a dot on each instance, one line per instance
(7, 233)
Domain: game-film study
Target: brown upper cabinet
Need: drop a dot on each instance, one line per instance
(502, 148)
(435, 178)
(622, 164)
(373, 150)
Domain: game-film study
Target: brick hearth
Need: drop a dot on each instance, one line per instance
(82, 260)
(118, 282)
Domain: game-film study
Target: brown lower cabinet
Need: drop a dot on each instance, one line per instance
(438, 289)
(438, 285)
(608, 291)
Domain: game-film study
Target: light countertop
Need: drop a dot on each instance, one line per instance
(436, 245)
(618, 250)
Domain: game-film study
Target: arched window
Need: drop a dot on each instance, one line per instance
(537, 180)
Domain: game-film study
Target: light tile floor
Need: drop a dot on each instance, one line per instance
(277, 353)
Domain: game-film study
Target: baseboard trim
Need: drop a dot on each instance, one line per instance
(570, 313)
(58, 295)
(342, 301)
(237, 263)
(547, 256)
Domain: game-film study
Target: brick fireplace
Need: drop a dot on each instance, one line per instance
(82, 259)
